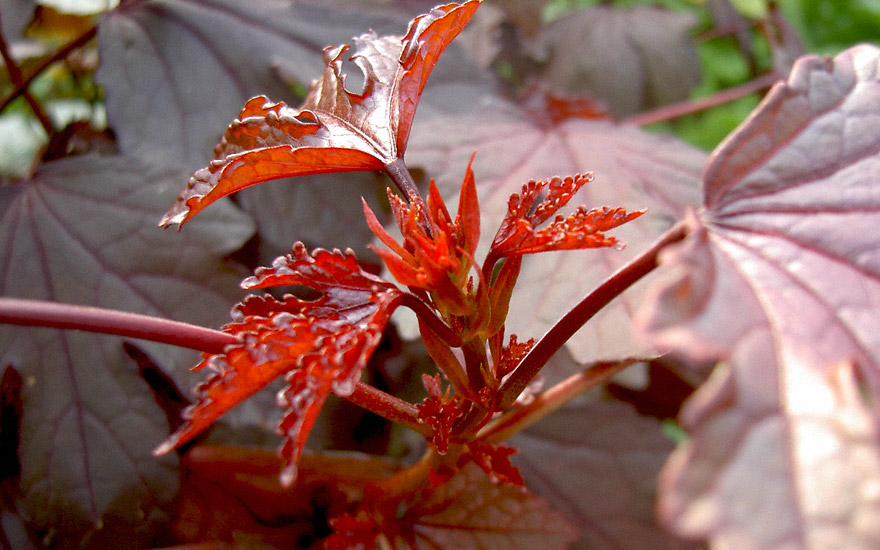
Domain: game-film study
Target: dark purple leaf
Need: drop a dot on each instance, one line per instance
(629, 59)
(781, 280)
(82, 230)
(597, 461)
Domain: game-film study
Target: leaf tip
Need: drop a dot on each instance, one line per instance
(165, 447)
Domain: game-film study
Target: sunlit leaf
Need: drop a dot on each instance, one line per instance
(336, 129)
(781, 280)
(321, 345)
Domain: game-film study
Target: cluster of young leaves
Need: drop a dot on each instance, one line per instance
(766, 228)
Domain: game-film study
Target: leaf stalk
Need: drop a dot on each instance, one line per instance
(583, 311)
(39, 313)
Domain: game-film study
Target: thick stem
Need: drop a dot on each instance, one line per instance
(551, 400)
(565, 328)
(399, 174)
(440, 328)
(669, 112)
(388, 407)
(37, 313)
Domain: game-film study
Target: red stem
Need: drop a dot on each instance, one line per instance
(676, 110)
(37, 313)
(551, 400)
(424, 313)
(389, 407)
(592, 303)
(399, 174)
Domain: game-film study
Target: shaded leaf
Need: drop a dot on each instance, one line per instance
(632, 168)
(227, 491)
(467, 510)
(336, 129)
(82, 230)
(471, 511)
(597, 462)
(630, 59)
(788, 240)
(494, 460)
(321, 345)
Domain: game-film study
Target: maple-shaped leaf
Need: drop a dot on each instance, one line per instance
(630, 59)
(336, 129)
(237, 49)
(321, 345)
(597, 462)
(781, 279)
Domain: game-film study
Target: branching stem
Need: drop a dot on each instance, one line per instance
(582, 312)
(389, 407)
(38, 313)
(676, 110)
(551, 400)
(22, 86)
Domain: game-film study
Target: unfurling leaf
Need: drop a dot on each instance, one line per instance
(335, 130)
(494, 460)
(439, 411)
(519, 233)
(322, 345)
(781, 279)
(436, 255)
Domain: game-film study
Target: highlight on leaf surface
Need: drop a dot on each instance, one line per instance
(322, 346)
(788, 233)
(335, 130)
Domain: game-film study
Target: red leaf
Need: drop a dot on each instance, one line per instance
(519, 233)
(512, 355)
(336, 130)
(439, 411)
(495, 461)
(323, 345)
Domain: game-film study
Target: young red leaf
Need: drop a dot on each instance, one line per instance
(519, 233)
(335, 130)
(494, 460)
(780, 278)
(323, 345)
(439, 411)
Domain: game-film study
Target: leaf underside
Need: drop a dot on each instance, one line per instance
(789, 235)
